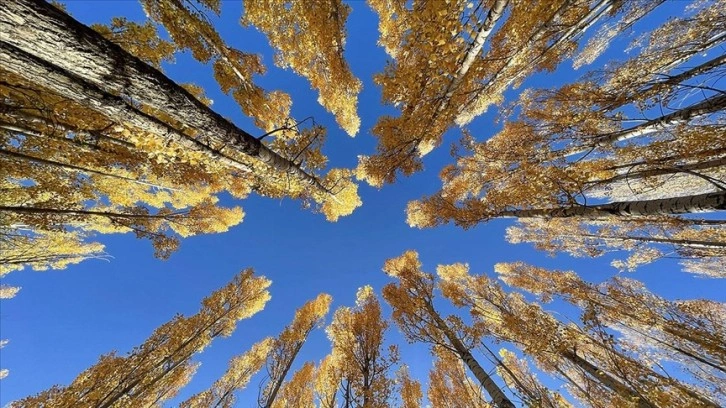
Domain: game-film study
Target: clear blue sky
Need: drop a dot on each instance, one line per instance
(61, 321)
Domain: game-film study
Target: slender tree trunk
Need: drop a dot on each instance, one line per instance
(706, 107)
(79, 212)
(39, 29)
(495, 12)
(278, 381)
(685, 75)
(499, 399)
(606, 379)
(660, 171)
(690, 243)
(643, 208)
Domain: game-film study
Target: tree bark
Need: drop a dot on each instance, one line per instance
(278, 381)
(659, 171)
(681, 116)
(74, 88)
(644, 208)
(499, 399)
(40, 30)
(495, 12)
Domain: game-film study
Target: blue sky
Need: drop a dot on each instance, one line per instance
(62, 321)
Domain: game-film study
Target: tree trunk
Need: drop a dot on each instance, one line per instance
(39, 29)
(499, 399)
(278, 381)
(681, 116)
(114, 107)
(78, 169)
(606, 379)
(495, 12)
(644, 208)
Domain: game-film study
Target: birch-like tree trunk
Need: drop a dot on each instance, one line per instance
(499, 399)
(37, 39)
(643, 208)
(681, 116)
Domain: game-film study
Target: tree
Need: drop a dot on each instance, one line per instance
(450, 386)
(415, 315)
(87, 152)
(156, 370)
(588, 358)
(685, 332)
(288, 344)
(298, 392)
(573, 152)
(310, 39)
(438, 77)
(238, 375)
(411, 394)
(357, 336)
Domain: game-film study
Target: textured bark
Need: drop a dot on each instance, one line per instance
(267, 403)
(499, 399)
(644, 208)
(39, 29)
(484, 31)
(75, 88)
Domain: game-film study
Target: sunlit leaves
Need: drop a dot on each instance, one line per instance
(157, 369)
(310, 39)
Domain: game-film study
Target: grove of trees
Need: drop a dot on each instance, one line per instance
(625, 161)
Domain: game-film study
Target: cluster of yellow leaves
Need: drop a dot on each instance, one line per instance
(310, 39)
(344, 198)
(141, 40)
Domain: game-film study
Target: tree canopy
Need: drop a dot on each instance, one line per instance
(586, 168)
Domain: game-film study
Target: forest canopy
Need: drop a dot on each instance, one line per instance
(563, 162)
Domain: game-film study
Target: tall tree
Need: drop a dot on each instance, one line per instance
(85, 152)
(287, 346)
(454, 59)
(154, 371)
(310, 39)
(688, 333)
(411, 394)
(357, 336)
(449, 385)
(412, 300)
(598, 149)
(34, 54)
(587, 358)
(299, 391)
